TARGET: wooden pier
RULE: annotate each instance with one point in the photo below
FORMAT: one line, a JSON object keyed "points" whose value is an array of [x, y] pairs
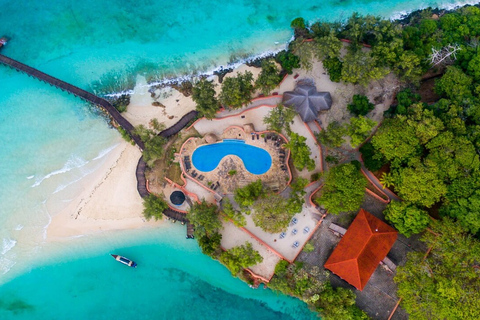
{"points": [[117, 117], [85, 95]]}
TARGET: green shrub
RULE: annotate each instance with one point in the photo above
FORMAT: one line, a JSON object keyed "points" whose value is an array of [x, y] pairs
{"points": [[288, 61], [360, 105], [334, 68], [373, 160]]}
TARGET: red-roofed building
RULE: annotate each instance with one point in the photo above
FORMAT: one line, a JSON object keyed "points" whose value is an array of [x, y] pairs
{"points": [[366, 243]]}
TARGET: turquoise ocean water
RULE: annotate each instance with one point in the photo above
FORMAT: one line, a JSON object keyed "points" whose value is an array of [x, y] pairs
{"points": [[50, 141]]}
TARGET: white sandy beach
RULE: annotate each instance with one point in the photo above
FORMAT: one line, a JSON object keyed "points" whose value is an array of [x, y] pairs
{"points": [[109, 200]]}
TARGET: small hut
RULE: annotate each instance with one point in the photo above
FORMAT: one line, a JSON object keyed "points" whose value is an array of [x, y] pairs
{"points": [[177, 198], [307, 101], [211, 138]]}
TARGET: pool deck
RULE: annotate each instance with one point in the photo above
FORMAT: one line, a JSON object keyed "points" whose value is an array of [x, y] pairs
{"points": [[237, 125], [274, 179]]}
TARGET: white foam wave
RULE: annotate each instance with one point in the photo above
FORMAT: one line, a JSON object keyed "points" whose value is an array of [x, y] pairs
{"points": [[104, 152], [72, 163], [19, 227], [8, 244], [31, 177], [6, 265], [169, 81]]}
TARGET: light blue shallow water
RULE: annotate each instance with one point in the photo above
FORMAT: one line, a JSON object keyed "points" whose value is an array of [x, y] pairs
{"points": [[256, 160], [51, 141]]}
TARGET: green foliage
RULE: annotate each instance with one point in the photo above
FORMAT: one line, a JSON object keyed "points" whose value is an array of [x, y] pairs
{"points": [[466, 210], [359, 129], [154, 144], [360, 105], [333, 136], [300, 152], [372, 159], [247, 195], [328, 46], [308, 247], [407, 218], [235, 215], [334, 68], [445, 285], [344, 189], [288, 61], [203, 93], [395, 140], [273, 213], [305, 51], [153, 207], [298, 23], [237, 91], [269, 77], [204, 218], [232, 172], [360, 68], [338, 303], [420, 185], [241, 257], [125, 135], [210, 244], [280, 118], [281, 268], [454, 84], [405, 99], [121, 103]]}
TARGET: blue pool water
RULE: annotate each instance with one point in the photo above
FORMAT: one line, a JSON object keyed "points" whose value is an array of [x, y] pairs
{"points": [[256, 160]]}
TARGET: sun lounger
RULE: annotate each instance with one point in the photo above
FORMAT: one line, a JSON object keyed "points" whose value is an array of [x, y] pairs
{"points": [[282, 235], [294, 231], [306, 230], [258, 136], [295, 244]]}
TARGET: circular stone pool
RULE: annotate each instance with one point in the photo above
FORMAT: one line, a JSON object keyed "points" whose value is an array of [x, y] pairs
{"points": [[256, 160]]}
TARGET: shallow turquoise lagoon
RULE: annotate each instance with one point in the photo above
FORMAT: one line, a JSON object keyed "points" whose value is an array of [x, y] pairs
{"points": [[256, 160]]}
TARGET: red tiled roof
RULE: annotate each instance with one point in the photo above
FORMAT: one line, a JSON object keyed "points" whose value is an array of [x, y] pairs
{"points": [[366, 243]]}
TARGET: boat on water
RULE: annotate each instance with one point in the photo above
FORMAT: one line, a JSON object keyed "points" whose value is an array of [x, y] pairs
{"points": [[124, 260], [3, 41]]}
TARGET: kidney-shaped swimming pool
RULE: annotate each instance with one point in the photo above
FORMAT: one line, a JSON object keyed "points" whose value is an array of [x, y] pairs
{"points": [[256, 160]]}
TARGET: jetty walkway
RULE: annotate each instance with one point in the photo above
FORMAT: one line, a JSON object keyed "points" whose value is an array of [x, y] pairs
{"points": [[118, 118], [76, 91]]}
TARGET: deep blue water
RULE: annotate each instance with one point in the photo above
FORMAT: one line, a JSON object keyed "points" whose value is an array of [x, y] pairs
{"points": [[256, 160]]}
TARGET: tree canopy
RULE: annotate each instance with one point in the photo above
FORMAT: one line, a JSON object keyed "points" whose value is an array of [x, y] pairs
{"points": [[203, 93], [280, 118], [300, 152], [343, 189], [241, 257], [360, 105], [407, 218], [247, 195], [205, 219], [445, 284], [269, 77], [153, 207], [237, 91]]}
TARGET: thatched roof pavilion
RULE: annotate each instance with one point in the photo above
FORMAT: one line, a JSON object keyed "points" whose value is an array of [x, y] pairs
{"points": [[307, 101]]}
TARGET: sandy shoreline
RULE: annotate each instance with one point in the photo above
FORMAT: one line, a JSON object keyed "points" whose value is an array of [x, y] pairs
{"points": [[109, 200]]}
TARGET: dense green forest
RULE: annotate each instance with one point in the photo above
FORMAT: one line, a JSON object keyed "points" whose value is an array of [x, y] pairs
{"points": [[429, 151]]}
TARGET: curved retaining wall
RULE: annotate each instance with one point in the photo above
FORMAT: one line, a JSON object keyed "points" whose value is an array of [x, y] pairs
{"points": [[141, 166]]}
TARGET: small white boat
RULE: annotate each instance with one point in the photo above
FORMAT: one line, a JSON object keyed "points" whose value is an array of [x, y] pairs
{"points": [[124, 260]]}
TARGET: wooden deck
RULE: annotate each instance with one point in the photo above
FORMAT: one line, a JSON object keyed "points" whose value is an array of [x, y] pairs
{"points": [[85, 95]]}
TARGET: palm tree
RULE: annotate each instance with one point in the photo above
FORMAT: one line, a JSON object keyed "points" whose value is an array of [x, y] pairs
{"points": [[387, 180]]}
